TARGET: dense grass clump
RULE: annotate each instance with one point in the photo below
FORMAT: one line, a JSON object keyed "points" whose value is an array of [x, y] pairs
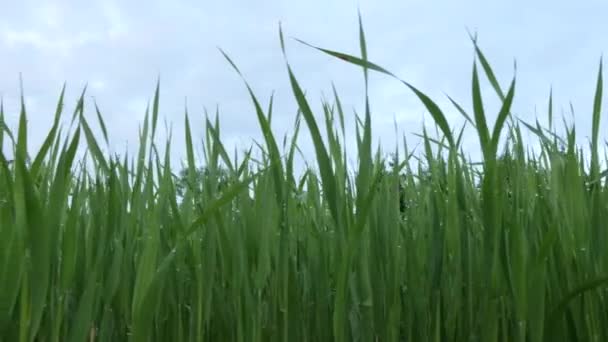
{"points": [[398, 249]]}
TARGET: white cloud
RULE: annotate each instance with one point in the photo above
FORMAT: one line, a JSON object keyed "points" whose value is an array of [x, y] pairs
{"points": [[50, 14], [116, 25]]}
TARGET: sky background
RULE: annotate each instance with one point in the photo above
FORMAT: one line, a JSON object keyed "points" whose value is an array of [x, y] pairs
{"points": [[120, 48]]}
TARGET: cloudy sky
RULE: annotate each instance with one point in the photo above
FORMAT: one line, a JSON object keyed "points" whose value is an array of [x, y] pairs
{"points": [[120, 48]]}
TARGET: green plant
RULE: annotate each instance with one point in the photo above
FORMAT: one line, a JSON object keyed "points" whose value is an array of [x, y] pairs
{"points": [[434, 248]]}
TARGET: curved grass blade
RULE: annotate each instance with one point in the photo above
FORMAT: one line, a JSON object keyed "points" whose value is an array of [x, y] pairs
{"points": [[325, 168], [502, 117], [430, 105], [102, 124], [273, 149], [94, 146], [487, 68], [579, 290], [480, 117], [46, 145], [597, 113]]}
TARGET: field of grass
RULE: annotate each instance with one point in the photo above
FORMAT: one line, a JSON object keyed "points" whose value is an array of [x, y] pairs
{"points": [[438, 248]]}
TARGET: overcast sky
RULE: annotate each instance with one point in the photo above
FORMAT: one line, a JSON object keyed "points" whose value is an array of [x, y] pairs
{"points": [[120, 48]]}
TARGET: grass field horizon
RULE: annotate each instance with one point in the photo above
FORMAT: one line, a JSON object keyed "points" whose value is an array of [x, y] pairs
{"points": [[400, 247]]}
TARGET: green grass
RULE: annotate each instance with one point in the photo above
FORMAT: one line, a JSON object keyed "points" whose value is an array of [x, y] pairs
{"points": [[429, 248]]}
